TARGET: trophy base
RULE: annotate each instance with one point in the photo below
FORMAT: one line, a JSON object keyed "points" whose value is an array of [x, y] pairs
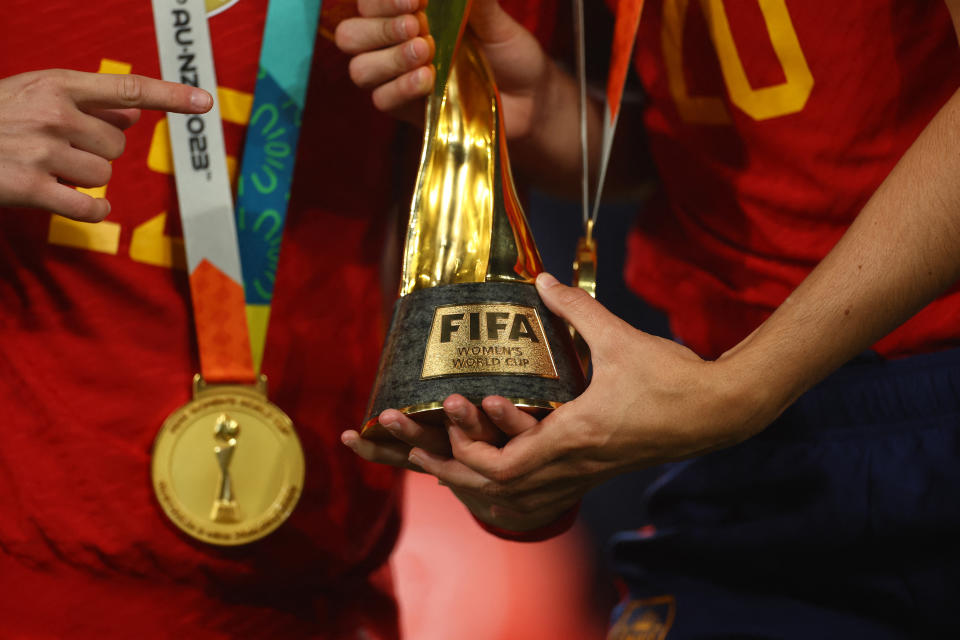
{"points": [[476, 339], [225, 511]]}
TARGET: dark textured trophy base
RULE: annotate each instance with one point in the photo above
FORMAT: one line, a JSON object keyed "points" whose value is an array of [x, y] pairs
{"points": [[484, 333]]}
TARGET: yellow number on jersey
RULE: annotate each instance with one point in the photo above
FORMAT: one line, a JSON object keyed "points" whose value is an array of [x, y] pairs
{"points": [[148, 244], [764, 103], [103, 237]]}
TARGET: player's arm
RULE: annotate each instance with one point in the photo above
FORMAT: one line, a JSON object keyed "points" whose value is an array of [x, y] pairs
{"points": [[901, 252], [61, 128]]}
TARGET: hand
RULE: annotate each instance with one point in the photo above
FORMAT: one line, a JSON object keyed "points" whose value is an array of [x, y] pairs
{"points": [[426, 437], [650, 401], [60, 128], [392, 51]]}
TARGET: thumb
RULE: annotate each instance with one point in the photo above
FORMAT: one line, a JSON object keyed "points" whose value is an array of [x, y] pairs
{"points": [[490, 23], [590, 318]]}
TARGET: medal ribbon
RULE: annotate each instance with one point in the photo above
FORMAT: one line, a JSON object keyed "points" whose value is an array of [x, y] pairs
{"points": [[625, 33], [203, 187], [624, 36], [270, 148], [203, 190]]}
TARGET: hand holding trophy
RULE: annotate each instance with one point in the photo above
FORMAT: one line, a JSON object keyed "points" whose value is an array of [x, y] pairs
{"points": [[468, 319]]}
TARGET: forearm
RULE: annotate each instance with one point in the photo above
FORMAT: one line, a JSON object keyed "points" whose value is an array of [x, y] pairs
{"points": [[899, 254], [549, 155]]}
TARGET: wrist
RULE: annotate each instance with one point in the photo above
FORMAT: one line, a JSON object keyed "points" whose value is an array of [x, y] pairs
{"points": [[757, 383], [547, 151]]}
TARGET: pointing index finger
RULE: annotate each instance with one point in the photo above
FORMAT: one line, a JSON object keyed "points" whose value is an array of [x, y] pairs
{"points": [[123, 91]]}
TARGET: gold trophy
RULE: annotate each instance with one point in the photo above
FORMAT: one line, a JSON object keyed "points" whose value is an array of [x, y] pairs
{"points": [[468, 319]]}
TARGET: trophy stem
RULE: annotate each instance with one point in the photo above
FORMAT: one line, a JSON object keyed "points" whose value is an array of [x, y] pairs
{"points": [[468, 319], [466, 223]]}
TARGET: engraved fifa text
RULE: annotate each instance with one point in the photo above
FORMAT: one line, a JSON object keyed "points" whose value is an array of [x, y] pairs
{"points": [[487, 338], [496, 323]]}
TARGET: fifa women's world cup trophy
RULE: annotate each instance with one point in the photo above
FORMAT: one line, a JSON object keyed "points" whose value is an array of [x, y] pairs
{"points": [[468, 319]]}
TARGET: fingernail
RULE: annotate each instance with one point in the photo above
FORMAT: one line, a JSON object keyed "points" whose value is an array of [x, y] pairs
{"points": [[423, 79], [407, 5], [546, 281], [393, 427], [107, 202], [495, 412], [200, 99], [400, 27], [415, 458]]}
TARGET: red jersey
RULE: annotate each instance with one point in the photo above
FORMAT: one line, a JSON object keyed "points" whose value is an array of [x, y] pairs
{"points": [[97, 349], [772, 124]]}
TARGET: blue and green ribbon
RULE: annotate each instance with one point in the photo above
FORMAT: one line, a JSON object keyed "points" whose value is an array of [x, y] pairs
{"points": [[270, 149]]}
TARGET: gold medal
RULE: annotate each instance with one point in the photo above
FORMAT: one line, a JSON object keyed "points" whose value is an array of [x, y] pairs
{"points": [[227, 466]]}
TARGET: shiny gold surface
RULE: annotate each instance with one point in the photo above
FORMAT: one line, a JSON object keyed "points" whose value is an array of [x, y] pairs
{"points": [[446, 20], [466, 223], [488, 338], [225, 507], [216, 6], [217, 485], [431, 413], [467, 226], [585, 277], [585, 262]]}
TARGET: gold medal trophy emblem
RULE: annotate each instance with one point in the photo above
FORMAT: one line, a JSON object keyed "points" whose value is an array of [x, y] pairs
{"points": [[227, 467], [216, 6]]}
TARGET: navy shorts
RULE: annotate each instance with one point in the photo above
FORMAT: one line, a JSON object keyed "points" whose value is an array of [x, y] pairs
{"points": [[840, 520]]}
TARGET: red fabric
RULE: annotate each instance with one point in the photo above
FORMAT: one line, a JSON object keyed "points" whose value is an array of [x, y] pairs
{"points": [[97, 349], [749, 206]]}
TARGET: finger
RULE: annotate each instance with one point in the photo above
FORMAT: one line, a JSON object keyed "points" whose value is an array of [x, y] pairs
{"points": [[404, 91], [467, 483], [471, 420], [432, 438], [371, 69], [506, 416], [124, 91], [529, 452], [120, 118], [357, 35], [529, 481], [590, 318], [449, 471], [70, 203], [80, 168], [394, 454], [381, 8], [96, 136], [491, 23]]}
